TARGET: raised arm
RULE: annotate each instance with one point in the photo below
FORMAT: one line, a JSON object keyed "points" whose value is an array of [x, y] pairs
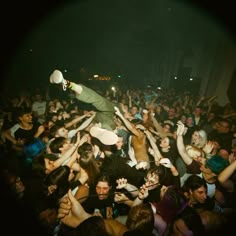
{"points": [[181, 130], [126, 122], [122, 183], [224, 177], [156, 153], [159, 128]]}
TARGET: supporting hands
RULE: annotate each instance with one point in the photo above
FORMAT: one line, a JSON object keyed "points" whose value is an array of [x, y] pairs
{"points": [[142, 165], [117, 111], [181, 129]]}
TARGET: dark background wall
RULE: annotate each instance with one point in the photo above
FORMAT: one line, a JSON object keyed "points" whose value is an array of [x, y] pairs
{"points": [[18, 20]]}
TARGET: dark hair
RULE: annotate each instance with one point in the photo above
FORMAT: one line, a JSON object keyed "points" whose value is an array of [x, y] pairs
{"points": [[56, 144], [160, 171], [88, 162], [20, 111], [193, 182], [172, 203], [85, 147], [58, 177], [54, 129], [104, 178]]}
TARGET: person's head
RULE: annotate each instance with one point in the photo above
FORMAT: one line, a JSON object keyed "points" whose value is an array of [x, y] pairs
{"points": [[164, 143], [196, 153], [59, 145], [57, 182], [103, 186], [52, 117], [15, 183], [171, 112], [187, 223], [190, 121], [195, 189], [199, 138], [223, 126], [214, 165], [197, 111], [168, 143], [58, 130], [23, 115], [43, 164], [224, 153], [134, 110], [183, 118], [155, 176], [172, 202], [217, 142], [38, 97], [119, 144], [141, 219], [168, 126], [88, 162]]}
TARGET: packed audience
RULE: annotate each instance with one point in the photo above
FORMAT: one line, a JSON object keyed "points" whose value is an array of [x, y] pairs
{"points": [[130, 162]]}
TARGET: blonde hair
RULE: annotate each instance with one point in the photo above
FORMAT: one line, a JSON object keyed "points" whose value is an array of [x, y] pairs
{"points": [[194, 152]]}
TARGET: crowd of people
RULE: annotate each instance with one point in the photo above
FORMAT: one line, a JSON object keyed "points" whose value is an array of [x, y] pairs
{"points": [[130, 162]]}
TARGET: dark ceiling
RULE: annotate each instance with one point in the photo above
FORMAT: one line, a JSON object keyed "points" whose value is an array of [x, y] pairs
{"points": [[20, 17]]}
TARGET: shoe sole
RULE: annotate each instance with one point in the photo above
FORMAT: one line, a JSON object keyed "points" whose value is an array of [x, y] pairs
{"points": [[104, 136]]}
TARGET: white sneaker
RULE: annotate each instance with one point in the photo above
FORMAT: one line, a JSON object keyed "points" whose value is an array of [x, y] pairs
{"points": [[57, 78], [106, 137]]}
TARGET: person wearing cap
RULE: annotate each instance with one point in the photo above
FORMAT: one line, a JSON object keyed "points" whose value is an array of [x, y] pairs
{"points": [[104, 108]]}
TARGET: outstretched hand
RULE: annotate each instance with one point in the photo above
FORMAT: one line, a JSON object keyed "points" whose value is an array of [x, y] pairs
{"points": [[181, 129], [117, 111]]}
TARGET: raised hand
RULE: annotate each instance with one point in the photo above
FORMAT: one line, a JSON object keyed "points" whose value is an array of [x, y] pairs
{"points": [[70, 211], [121, 183], [181, 129]]}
